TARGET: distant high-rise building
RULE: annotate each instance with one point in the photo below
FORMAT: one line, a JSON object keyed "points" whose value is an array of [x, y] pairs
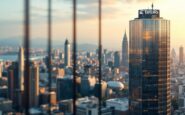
{"points": [[103, 89], [66, 84], [110, 64], [181, 55], [61, 55], [116, 59], [67, 53], [21, 77], [105, 51], [87, 85], [13, 86], [11, 81], [173, 57], [1, 70], [103, 59], [53, 99], [89, 54], [125, 51], [34, 86], [66, 106], [149, 64], [59, 72], [173, 54], [21, 69]]}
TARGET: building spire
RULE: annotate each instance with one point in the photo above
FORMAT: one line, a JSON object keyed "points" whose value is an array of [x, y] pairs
{"points": [[152, 6], [66, 42], [125, 36]]}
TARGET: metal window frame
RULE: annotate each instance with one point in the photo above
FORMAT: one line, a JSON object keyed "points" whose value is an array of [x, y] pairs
{"points": [[27, 55]]}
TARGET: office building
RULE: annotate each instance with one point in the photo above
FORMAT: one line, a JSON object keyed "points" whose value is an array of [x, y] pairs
{"points": [[13, 86], [66, 84], [67, 55], [89, 106], [103, 89], [34, 86], [44, 98], [4, 91], [149, 64], [5, 106], [89, 54], [21, 69], [59, 72], [61, 55], [66, 106], [125, 51], [181, 55], [117, 59], [87, 85], [53, 99], [173, 57], [1, 70], [120, 105]]}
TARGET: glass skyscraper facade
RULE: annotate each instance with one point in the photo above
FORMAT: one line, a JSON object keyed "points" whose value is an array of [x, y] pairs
{"points": [[149, 64]]}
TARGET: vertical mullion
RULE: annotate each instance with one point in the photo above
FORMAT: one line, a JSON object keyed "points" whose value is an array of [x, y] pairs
{"points": [[49, 51], [100, 53], [74, 57], [26, 47]]}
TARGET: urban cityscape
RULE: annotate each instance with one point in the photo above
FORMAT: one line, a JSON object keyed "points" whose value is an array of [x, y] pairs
{"points": [[146, 76]]}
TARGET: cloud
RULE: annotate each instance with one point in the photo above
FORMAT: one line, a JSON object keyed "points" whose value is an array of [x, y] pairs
{"points": [[92, 2], [138, 1], [88, 9], [38, 14]]}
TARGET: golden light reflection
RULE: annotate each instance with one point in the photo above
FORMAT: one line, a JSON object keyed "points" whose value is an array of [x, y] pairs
{"points": [[147, 35]]}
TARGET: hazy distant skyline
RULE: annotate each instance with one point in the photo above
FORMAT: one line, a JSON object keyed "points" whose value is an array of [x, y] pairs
{"points": [[116, 16]]}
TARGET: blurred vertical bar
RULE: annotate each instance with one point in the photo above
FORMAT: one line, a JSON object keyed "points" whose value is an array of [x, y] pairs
{"points": [[74, 57], [26, 47], [49, 52], [100, 54]]}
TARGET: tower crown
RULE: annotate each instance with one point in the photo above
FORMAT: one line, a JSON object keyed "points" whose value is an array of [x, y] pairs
{"points": [[149, 13], [125, 36], [66, 42]]}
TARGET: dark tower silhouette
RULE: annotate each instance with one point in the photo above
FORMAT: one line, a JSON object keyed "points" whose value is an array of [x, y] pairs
{"points": [[125, 51]]}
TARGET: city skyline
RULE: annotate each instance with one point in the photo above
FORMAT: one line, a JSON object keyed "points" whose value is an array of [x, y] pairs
{"points": [[103, 57], [115, 17]]}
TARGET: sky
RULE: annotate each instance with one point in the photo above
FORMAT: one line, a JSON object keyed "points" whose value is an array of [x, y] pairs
{"points": [[116, 16]]}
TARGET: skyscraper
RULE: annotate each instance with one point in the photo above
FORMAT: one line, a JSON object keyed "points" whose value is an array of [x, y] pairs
{"points": [[173, 57], [67, 53], [20, 91], [34, 86], [125, 51], [14, 92], [11, 89], [116, 59], [87, 85], [21, 69], [181, 55], [149, 64], [1, 69], [12, 82], [66, 84]]}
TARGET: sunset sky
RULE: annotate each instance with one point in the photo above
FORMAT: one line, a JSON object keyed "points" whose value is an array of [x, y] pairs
{"points": [[116, 16]]}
